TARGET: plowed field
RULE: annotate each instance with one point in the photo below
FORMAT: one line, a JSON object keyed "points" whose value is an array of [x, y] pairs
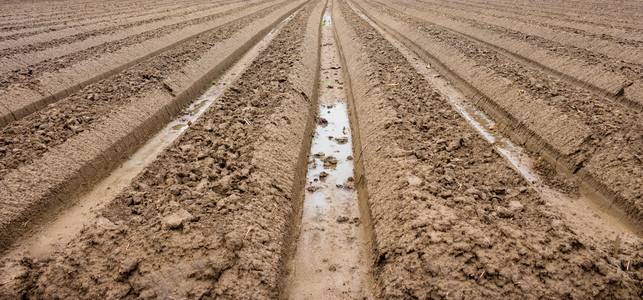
{"points": [[321, 149]]}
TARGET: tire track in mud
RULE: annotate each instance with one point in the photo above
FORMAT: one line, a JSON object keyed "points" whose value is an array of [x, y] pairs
{"points": [[119, 128], [563, 124], [51, 81], [450, 217], [610, 78], [235, 171]]}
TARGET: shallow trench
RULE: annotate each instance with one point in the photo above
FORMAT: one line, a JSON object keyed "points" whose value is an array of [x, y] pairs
{"points": [[45, 239], [587, 211], [331, 260]]}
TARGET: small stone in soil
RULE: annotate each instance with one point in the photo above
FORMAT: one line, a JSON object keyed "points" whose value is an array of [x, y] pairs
{"points": [[323, 174]]}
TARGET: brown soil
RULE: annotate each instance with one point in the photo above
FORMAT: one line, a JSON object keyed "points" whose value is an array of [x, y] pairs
{"points": [[330, 261], [566, 124], [77, 113], [66, 26], [209, 217], [442, 211], [605, 74], [44, 77], [49, 40], [117, 129], [445, 206]]}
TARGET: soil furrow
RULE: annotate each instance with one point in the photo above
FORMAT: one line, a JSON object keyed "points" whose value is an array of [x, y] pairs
{"points": [[45, 11], [66, 25], [209, 218], [56, 123], [321, 149], [450, 217], [330, 261], [596, 20], [45, 239], [567, 130], [16, 58], [619, 49], [577, 26], [9, 49], [583, 212], [117, 129], [598, 32], [602, 10], [120, 21], [33, 88], [36, 17], [53, 125], [602, 75]]}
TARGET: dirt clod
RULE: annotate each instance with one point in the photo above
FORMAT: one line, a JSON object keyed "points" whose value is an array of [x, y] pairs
{"points": [[341, 140], [330, 161], [177, 219], [322, 122], [319, 155]]}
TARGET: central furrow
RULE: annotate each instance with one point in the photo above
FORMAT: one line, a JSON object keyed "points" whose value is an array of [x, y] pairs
{"points": [[330, 260]]}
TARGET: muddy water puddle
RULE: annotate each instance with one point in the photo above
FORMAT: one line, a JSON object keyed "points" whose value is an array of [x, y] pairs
{"points": [[587, 212], [330, 260], [330, 170], [47, 238], [326, 19]]}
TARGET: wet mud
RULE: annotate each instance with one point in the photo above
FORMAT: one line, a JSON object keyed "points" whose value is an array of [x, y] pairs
{"points": [[331, 259], [340, 149], [447, 206]]}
